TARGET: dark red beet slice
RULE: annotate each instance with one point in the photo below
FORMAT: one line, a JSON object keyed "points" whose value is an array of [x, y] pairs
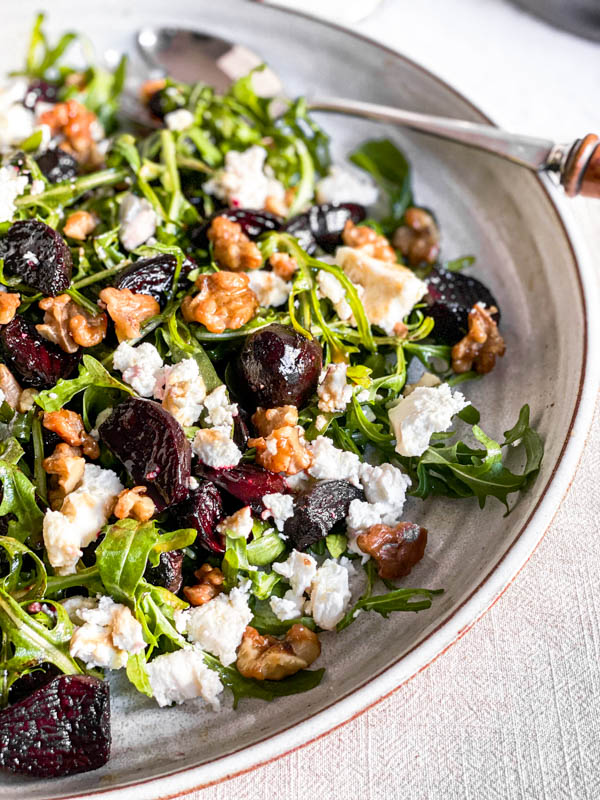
{"points": [[58, 165], [37, 362], [60, 729], [39, 255], [152, 447], [24, 686], [317, 510], [451, 296], [278, 366], [253, 224], [323, 225], [248, 483], [40, 90], [202, 510], [168, 571], [153, 276]]}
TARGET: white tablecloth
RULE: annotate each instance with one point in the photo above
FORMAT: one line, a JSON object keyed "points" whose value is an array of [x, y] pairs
{"points": [[512, 710]]}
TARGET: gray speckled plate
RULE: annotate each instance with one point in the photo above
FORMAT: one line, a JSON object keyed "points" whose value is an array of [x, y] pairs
{"points": [[545, 284]]}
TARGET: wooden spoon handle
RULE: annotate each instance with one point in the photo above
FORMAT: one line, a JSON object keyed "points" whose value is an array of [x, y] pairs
{"points": [[581, 172]]}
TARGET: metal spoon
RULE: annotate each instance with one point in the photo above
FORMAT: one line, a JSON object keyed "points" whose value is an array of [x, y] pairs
{"points": [[191, 56]]}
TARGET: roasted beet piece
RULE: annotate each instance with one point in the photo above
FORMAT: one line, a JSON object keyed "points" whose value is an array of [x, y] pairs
{"points": [[152, 447], [60, 729], [451, 296], [168, 571], [248, 483], [317, 510], [278, 366], [27, 684], [241, 432], [153, 276], [39, 90], [39, 255], [202, 510], [323, 225], [58, 165], [252, 223], [37, 362]]}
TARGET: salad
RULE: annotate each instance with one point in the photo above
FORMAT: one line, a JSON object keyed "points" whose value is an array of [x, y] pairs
{"points": [[225, 363]]}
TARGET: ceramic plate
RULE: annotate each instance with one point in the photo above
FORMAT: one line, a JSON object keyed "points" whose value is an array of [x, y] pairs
{"points": [[509, 219]]}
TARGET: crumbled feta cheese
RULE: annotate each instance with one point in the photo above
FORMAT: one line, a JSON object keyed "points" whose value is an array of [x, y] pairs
{"points": [[109, 634], [75, 604], [38, 185], [297, 482], [140, 366], [193, 484], [330, 594], [362, 515], [83, 513], [298, 569], [182, 391], [425, 411], [218, 626], [320, 422], [220, 412], [280, 507], [238, 525], [179, 120], [329, 463], [343, 185], [183, 675], [137, 220], [16, 121], [426, 379], [269, 288], [244, 182], [12, 185], [330, 288], [287, 607], [390, 290], [333, 390], [384, 484], [215, 449], [2, 397]]}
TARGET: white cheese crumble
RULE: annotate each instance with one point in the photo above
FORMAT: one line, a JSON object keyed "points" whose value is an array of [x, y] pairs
{"points": [[218, 626], [109, 634], [333, 390], [220, 412], [75, 604], [330, 288], [287, 607], [137, 220], [298, 482], [12, 185], [330, 594], [385, 491], [182, 391], [140, 366], [238, 525], [425, 411], [269, 288], [343, 185], [215, 449], [179, 120], [280, 507], [390, 290], [298, 569], [183, 675], [329, 463], [83, 513], [16, 121], [244, 182], [2, 397]]}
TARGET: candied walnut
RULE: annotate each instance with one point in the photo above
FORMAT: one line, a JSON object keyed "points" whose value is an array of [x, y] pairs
{"points": [[283, 265], [151, 87], [8, 306], [283, 450], [479, 348], [224, 301], [69, 326], [419, 238], [80, 224], [76, 123], [128, 310], [396, 550], [266, 420], [268, 658], [210, 584], [65, 467], [69, 426], [232, 249], [9, 386], [134, 504], [27, 400], [364, 238]]}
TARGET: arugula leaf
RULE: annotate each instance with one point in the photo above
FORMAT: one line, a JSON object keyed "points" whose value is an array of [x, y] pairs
{"points": [[18, 496], [388, 165], [265, 621], [523, 434], [384, 604], [336, 544], [91, 373]]}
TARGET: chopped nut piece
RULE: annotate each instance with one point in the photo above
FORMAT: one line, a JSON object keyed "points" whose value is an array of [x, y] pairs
{"points": [[128, 310], [224, 301], [209, 586], [9, 386], [276, 205], [481, 345], [151, 87], [69, 426], [283, 265], [268, 658], [8, 306], [69, 326], [231, 247], [361, 237], [266, 420], [76, 123], [282, 450], [396, 550], [133, 504], [80, 224], [65, 467], [419, 239], [27, 400]]}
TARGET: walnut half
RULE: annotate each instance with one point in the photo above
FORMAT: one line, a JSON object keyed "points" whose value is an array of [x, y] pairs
{"points": [[128, 310], [210, 584], [232, 249], [9, 386], [69, 426], [266, 420], [134, 504], [65, 467], [224, 301], [268, 658], [9, 303], [396, 550], [419, 238], [70, 326], [283, 450], [482, 343]]}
